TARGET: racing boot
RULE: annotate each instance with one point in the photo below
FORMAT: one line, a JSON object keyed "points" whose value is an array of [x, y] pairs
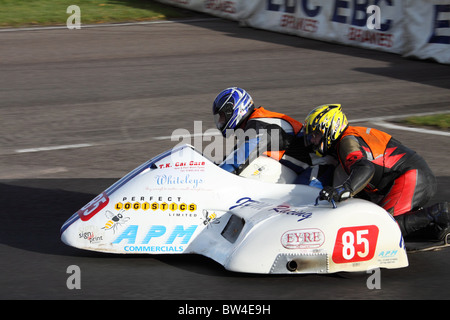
{"points": [[441, 219], [432, 222]]}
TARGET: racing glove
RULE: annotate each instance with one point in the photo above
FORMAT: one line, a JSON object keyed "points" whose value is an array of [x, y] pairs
{"points": [[339, 193]]}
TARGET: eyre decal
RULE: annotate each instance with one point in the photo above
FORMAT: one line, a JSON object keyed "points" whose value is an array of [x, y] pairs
{"points": [[310, 238]]}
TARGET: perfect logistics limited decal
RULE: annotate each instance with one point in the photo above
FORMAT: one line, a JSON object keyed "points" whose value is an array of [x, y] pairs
{"points": [[173, 206]]}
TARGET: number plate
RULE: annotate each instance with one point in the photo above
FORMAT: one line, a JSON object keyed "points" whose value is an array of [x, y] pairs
{"points": [[355, 244], [96, 204]]}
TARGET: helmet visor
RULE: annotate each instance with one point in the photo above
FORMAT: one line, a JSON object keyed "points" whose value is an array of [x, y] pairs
{"points": [[220, 120], [316, 140]]}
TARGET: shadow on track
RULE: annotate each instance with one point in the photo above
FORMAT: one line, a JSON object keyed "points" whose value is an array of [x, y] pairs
{"points": [[33, 212], [408, 69]]}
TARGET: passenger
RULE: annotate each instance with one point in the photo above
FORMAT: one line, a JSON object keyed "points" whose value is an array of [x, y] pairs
{"points": [[378, 168]]}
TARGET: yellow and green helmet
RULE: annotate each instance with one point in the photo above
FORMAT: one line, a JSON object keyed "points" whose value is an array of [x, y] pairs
{"points": [[323, 126]]}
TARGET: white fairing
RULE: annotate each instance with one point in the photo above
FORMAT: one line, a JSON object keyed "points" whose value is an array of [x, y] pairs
{"points": [[180, 202], [268, 170]]}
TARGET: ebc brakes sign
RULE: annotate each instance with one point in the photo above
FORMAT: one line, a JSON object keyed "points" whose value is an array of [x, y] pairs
{"points": [[96, 204], [355, 244]]}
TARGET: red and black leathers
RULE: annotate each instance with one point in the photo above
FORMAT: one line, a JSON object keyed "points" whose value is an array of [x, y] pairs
{"points": [[384, 170]]}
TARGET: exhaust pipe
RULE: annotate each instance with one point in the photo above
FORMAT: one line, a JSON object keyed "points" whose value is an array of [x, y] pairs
{"points": [[292, 265]]}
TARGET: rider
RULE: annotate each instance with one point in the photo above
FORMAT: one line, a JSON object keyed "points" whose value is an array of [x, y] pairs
{"points": [[273, 134], [379, 168]]}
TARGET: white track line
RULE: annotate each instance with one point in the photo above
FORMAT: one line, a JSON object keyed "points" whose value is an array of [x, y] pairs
{"points": [[104, 25], [68, 146], [403, 116], [397, 127], [379, 121]]}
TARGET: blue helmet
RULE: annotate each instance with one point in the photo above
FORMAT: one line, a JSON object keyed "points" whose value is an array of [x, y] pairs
{"points": [[231, 108]]}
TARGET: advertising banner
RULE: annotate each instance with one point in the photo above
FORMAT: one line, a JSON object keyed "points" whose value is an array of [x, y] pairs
{"points": [[415, 28], [339, 21], [227, 9], [428, 30]]}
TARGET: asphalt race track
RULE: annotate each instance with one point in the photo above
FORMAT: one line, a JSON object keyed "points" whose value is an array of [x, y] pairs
{"points": [[106, 99]]}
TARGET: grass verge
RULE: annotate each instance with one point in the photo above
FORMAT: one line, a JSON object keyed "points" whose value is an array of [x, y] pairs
{"points": [[25, 13], [440, 121]]}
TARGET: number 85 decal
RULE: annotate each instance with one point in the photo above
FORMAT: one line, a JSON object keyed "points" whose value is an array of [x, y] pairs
{"points": [[355, 244]]}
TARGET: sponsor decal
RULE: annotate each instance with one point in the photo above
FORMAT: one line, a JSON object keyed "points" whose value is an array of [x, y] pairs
{"points": [[358, 22], [178, 180], [440, 32], [286, 209], [210, 218], [293, 7], [365, 36], [158, 233], [174, 206], [115, 220], [162, 206], [185, 2], [247, 202], [310, 238], [90, 234], [184, 166], [221, 6], [292, 22], [388, 254], [96, 204], [355, 244], [388, 257], [161, 249]]}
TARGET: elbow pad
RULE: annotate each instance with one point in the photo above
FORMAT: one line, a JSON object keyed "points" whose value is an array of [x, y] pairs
{"points": [[361, 174]]}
